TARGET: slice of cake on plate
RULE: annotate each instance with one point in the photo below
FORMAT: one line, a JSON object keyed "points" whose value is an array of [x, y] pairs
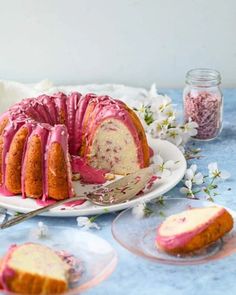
{"points": [[193, 229], [33, 269]]}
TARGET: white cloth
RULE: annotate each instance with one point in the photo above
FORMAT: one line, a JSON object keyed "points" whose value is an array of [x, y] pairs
{"points": [[11, 92]]}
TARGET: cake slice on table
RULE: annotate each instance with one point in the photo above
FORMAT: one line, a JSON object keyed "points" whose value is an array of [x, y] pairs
{"points": [[193, 229], [33, 269]]}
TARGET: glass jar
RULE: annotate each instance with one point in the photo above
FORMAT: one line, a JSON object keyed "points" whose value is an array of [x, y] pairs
{"points": [[203, 102]]}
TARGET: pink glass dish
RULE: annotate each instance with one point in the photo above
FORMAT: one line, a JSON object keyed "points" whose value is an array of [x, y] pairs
{"points": [[98, 259], [138, 234]]}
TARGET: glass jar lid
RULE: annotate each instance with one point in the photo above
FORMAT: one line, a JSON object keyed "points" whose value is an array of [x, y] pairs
{"points": [[203, 77]]}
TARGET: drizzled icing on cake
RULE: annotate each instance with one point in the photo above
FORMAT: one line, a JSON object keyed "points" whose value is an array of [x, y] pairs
{"points": [[71, 121], [87, 173]]}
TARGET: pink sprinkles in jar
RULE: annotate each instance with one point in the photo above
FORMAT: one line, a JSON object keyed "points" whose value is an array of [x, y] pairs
{"points": [[203, 102]]}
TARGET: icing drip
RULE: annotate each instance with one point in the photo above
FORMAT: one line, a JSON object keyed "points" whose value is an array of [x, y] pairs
{"points": [[79, 117], [61, 108], [8, 135], [50, 109], [87, 173], [72, 105], [59, 134], [151, 152], [41, 131], [44, 203]]}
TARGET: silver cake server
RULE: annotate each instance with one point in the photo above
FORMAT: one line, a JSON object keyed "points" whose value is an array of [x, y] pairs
{"points": [[117, 192]]}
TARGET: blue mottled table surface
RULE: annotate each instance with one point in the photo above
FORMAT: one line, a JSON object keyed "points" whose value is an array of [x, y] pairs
{"points": [[133, 274]]}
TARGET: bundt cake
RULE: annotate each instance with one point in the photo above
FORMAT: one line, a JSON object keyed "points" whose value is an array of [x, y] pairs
{"points": [[33, 269], [43, 139], [193, 229]]}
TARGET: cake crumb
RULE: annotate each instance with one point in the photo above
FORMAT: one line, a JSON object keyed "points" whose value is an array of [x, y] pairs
{"points": [[76, 176], [110, 176]]}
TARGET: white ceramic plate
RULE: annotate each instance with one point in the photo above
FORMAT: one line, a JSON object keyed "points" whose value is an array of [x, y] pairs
{"points": [[167, 150]]}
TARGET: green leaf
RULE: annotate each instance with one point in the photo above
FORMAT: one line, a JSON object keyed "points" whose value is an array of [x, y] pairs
{"points": [[160, 200], [162, 214], [147, 211]]}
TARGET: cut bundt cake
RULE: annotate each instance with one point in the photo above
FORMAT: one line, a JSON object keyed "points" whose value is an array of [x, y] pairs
{"points": [[39, 139], [33, 269], [193, 229], [112, 138]]}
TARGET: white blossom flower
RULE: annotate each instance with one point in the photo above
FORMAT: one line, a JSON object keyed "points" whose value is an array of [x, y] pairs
{"points": [[190, 128], [41, 231], [214, 172], [158, 128], [174, 135], [187, 190], [162, 104], [86, 223], [139, 210], [163, 169], [191, 174], [158, 117]]}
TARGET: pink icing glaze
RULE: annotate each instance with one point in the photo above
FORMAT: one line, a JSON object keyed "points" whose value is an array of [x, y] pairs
{"points": [[8, 135], [30, 126], [74, 203], [5, 270], [60, 100], [48, 109], [24, 109], [41, 108], [49, 106], [175, 241], [40, 130], [79, 116], [105, 108], [59, 134], [87, 173], [151, 152], [72, 105], [44, 203]]}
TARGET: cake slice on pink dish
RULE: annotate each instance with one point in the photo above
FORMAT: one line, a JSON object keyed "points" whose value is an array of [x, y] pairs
{"points": [[193, 229]]}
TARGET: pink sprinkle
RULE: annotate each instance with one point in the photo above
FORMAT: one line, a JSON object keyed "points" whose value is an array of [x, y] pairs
{"points": [[117, 160], [205, 109], [152, 181]]}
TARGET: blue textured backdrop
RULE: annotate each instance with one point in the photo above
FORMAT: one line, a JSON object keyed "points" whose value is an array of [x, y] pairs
{"points": [[135, 275]]}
